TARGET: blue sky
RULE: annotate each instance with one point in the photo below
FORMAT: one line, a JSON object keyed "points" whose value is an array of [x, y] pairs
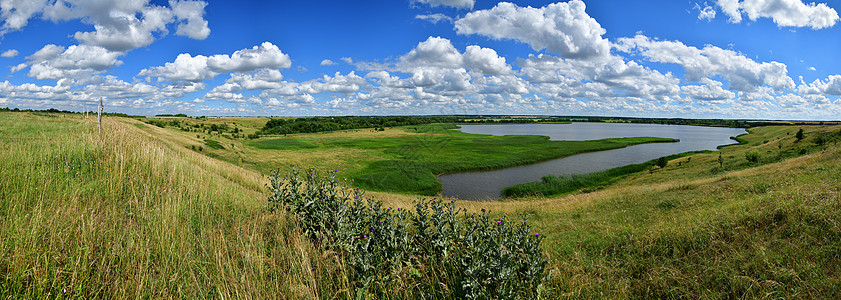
{"points": [[763, 59]]}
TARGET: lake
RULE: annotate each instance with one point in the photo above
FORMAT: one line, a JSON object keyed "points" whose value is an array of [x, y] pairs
{"points": [[488, 184]]}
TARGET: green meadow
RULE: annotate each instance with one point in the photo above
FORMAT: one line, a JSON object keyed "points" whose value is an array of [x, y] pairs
{"points": [[141, 212]]}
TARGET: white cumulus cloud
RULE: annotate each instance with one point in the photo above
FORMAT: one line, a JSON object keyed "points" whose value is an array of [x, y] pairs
{"points": [[266, 55], [185, 67], [743, 74], [76, 61], [705, 13], [16, 13], [561, 28], [200, 67], [830, 86], [710, 91], [485, 60], [784, 13], [118, 25], [435, 51], [10, 53], [259, 80]]}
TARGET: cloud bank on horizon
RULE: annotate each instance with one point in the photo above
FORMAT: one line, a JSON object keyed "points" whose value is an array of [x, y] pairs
{"points": [[720, 59]]}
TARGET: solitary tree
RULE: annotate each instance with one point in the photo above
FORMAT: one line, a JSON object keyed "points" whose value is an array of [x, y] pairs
{"points": [[799, 135]]}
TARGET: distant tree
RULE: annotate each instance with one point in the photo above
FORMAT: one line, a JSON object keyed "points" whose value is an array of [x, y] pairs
{"points": [[799, 135], [662, 162]]}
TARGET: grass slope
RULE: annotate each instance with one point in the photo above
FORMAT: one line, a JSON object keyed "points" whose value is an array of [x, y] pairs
{"points": [[768, 231], [130, 216], [702, 230]]}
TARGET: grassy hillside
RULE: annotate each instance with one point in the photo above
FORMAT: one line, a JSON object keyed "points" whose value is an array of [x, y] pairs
{"points": [[137, 213], [130, 216], [697, 228]]}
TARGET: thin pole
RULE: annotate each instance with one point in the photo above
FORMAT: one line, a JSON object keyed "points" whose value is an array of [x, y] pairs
{"points": [[99, 121]]}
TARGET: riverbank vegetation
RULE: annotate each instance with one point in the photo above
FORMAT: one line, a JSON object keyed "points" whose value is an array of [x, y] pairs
{"points": [[552, 185], [138, 214]]}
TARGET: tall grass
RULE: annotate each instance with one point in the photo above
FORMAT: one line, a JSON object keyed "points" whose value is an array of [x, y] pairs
{"points": [[128, 216]]}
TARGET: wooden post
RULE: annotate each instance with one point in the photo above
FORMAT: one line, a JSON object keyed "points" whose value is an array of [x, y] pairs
{"points": [[99, 121]]}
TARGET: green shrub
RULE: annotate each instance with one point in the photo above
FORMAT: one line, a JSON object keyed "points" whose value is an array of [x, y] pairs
{"points": [[820, 139], [213, 144], [437, 250], [753, 155]]}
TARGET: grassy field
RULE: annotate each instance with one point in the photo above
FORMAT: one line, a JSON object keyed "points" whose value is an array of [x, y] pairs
{"points": [[138, 213]]}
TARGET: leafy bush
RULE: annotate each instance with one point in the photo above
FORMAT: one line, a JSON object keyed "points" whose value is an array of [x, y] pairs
{"points": [[437, 250], [821, 139], [213, 144], [662, 162], [753, 155]]}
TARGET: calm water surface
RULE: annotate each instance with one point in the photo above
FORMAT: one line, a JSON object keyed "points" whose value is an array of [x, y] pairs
{"points": [[489, 184]]}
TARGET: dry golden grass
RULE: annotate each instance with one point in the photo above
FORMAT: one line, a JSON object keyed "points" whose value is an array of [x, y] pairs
{"points": [[134, 216]]}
